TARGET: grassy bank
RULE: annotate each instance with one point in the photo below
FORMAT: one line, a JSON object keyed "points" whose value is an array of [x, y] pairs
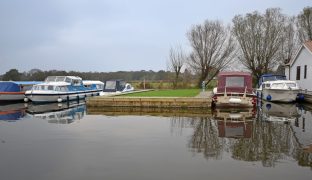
{"points": [[167, 93]]}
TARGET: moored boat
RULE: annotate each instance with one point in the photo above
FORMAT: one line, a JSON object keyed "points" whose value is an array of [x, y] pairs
{"points": [[115, 87], [61, 88], [15, 90], [98, 85], [276, 88], [234, 89]]}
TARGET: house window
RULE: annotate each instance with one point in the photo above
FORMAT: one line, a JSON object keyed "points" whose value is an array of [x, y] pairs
{"points": [[298, 73], [305, 71]]}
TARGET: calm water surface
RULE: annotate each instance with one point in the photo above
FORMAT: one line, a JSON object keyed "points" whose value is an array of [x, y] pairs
{"points": [[73, 143]]}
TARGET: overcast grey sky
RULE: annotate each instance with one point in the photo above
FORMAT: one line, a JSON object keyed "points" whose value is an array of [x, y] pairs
{"points": [[109, 35]]}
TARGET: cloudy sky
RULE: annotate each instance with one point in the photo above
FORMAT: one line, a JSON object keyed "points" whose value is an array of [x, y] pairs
{"points": [[109, 35]]}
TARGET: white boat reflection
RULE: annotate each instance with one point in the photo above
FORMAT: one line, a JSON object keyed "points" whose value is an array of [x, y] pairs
{"points": [[59, 113], [12, 112], [279, 112], [235, 123]]}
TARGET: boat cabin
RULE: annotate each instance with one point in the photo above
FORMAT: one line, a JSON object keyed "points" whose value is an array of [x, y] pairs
{"points": [[270, 77], [99, 85], [73, 80], [234, 82]]}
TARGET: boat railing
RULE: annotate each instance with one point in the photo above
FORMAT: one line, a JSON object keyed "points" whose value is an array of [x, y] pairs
{"points": [[233, 94]]}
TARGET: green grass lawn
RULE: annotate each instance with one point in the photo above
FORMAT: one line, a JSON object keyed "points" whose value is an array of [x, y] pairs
{"points": [[167, 93]]}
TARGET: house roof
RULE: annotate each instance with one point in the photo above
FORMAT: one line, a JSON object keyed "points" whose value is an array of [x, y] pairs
{"points": [[307, 45]]}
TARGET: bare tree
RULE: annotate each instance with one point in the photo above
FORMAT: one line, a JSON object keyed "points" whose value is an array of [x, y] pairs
{"points": [[177, 59], [304, 24], [290, 42], [213, 49], [260, 38]]}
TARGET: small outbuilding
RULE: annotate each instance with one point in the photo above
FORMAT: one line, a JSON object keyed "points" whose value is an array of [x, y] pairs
{"points": [[300, 67]]}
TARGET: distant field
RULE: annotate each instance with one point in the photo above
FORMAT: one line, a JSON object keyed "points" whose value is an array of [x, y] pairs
{"points": [[167, 93]]}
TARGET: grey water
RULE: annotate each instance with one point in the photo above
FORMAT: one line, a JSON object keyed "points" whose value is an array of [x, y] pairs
{"points": [[71, 142]]}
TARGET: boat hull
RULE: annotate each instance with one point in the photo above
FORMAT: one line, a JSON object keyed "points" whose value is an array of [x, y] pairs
{"points": [[307, 97], [12, 96], [279, 95], [60, 97], [222, 100]]}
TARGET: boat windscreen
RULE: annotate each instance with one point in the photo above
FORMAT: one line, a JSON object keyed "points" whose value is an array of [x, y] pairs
{"points": [[278, 85], [291, 85], [50, 79], [234, 81], [60, 79], [274, 78], [110, 85]]}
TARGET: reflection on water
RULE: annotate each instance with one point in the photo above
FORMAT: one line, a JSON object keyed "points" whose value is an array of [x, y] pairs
{"points": [[251, 137], [280, 112], [59, 113], [117, 139], [12, 112]]}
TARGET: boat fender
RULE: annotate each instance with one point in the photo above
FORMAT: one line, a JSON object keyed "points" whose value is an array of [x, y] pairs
{"points": [[300, 97], [268, 98], [59, 99], [268, 106], [25, 99]]}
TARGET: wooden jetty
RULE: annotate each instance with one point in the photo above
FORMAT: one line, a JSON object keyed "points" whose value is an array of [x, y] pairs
{"points": [[152, 102]]}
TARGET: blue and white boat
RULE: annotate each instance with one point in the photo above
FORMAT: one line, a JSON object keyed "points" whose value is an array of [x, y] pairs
{"points": [[276, 88], [60, 89], [15, 90]]}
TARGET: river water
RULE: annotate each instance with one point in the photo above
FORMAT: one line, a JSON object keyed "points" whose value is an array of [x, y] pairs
{"points": [[71, 142]]}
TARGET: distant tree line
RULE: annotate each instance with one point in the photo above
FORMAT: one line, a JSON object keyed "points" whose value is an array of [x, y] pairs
{"points": [[39, 75]]}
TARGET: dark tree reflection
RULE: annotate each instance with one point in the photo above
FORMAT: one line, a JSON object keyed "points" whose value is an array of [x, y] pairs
{"points": [[269, 143], [205, 139], [265, 142]]}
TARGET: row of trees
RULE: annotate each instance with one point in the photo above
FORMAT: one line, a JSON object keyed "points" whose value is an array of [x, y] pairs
{"points": [[259, 42], [39, 75]]}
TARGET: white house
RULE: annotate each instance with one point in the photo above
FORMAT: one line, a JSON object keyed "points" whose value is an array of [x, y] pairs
{"points": [[300, 67]]}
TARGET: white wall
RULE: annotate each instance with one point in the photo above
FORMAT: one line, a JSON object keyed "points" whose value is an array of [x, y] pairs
{"points": [[304, 58], [287, 72]]}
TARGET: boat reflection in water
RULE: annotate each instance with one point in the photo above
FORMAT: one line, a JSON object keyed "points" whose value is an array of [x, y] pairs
{"points": [[234, 123], [59, 113], [245, 136], [278, 112], [12, 112]]}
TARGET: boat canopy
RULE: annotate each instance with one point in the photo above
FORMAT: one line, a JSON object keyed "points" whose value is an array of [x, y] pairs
{"points": [[271, 77], [234, 82], [114, 85], [15, 86]]}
